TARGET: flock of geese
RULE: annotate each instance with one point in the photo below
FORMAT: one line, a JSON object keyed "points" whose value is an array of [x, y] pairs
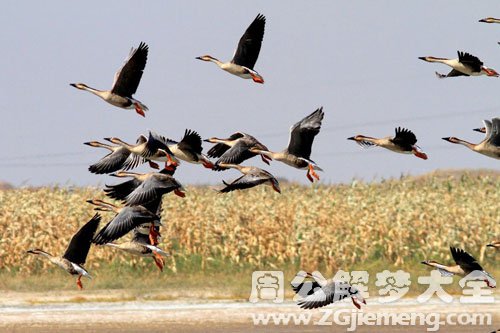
{"points": [[142, 193]]}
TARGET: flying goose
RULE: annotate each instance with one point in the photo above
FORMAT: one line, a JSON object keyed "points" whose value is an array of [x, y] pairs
{"points": [[465, 65], [126, 219], [189, 149], [321, 292], [140, 246], [298, 152], [119, 158], [403, 142], [125, 83], [252, 177], [246, 53], [235, 149], [74, 258], [143, 188], [465, 264], [151, 148], [490, 146]]}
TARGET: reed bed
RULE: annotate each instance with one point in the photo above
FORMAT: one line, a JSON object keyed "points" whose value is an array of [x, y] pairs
{"points": [[396, 222]]}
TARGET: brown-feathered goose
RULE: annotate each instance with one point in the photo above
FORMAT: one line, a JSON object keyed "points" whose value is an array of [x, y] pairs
{"points": [[465, 65], [321, 292], [74, 258], [143, 188], [298, 152], [404, 141], [246, 53], [125, 83], [119, 158], [490, 146], [252, 177], [235, 149], [126, 219], [465, 264]]}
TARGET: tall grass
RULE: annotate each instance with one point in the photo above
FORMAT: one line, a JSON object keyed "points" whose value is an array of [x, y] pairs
{"points": [[394, 223]]}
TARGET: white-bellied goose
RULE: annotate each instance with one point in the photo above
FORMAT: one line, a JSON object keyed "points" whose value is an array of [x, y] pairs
{"points": [[126, 219], [490, 20], [321, 292], [298, 152], [494, 244], [143, 188], [151, 148], [140, 246], [490, 146], [235, 149], [246, 53], [119, 158], [189, 149], [125, 83], [465, 65], [74, 258], [252, 177], [465, 264], [403, 142]]}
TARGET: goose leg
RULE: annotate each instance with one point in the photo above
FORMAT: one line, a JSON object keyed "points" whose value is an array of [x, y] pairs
{"points": [[312, 172], [79, 282], [153, 235], [208, 164], [171, 165], [159, 261], [139, 110]]}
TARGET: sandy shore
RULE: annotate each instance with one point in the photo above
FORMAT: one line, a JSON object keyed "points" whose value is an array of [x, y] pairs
{"points": [[104, 312]]}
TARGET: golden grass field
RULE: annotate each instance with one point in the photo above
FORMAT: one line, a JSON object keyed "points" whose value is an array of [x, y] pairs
{"points": [[374, 226]]}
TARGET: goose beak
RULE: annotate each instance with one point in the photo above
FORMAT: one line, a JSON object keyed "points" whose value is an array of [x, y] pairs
{"points": [[351, 138], [73, 85], [480, 130], [446, 139], [482, 20]]}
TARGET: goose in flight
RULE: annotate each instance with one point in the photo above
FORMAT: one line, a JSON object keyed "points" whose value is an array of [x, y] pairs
{"points": [[321, 292], [189, 149], [126, 219], [235, 149], [246, 53], [151, 148], [490, 146], [119, 158], [140, 246], [465, 264], [298, 152], [403, 142], [252, 177], [143, 188], [125, 83], [74, 258], [465, 65]]}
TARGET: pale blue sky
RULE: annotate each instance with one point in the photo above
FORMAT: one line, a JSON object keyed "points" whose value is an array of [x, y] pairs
{"points": [[358, 59]]}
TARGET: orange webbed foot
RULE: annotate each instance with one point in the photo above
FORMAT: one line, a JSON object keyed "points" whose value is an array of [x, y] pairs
{"points": [[139, 110]]}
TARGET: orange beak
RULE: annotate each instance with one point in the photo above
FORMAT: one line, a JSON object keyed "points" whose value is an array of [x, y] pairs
{"points": [[179, 193], [257, 78], [420, 154]]}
